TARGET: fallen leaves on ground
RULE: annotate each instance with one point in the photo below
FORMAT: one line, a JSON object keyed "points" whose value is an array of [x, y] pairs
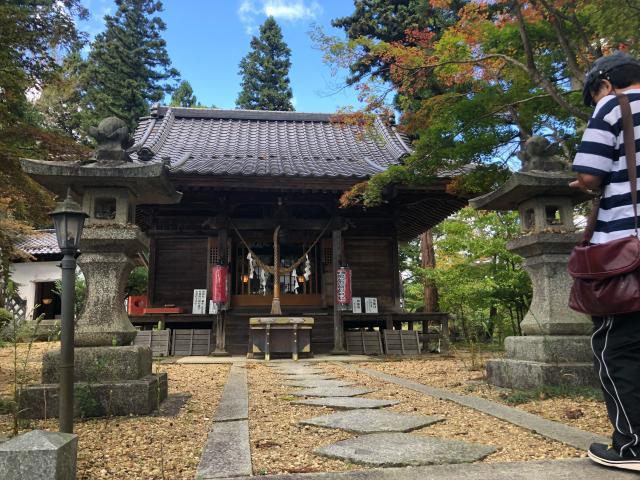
{"points": [[463, 373], [278, 443], [148, 447]]}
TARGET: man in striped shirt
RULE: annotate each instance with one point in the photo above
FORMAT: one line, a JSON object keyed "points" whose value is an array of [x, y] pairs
{"points": [[601, 165]]}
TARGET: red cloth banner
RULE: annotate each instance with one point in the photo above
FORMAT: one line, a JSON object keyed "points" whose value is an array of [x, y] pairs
{"points": [[219, 284]]}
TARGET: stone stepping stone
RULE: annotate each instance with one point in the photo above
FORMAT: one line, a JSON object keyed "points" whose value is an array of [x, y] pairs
{"points": [[308, 377], [403, 449], [331, 392], [372, 421], [317, 383], [346, 403], [300, 372]]}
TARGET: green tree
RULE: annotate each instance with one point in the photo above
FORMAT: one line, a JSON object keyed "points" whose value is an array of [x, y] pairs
{"points": [[61, 98], [479, 281], [183, 96], [506, 70], [128, 66], [382, 20], [265, 71], [33, 35]]}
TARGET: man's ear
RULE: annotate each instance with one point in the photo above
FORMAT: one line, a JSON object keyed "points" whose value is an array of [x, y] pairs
{"points": [[606, 86]]}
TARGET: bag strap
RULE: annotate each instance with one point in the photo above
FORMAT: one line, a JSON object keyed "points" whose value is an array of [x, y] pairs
{"points": [[628, 137]]}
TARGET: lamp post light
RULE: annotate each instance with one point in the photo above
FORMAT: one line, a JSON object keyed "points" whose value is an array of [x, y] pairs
{"points": [[68, 220]]}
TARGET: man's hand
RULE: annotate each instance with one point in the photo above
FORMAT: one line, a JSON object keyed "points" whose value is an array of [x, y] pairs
{"points": [[587, 183]]}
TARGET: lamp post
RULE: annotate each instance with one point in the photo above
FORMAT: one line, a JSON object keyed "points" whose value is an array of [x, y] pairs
{"points": [[68, 219]]}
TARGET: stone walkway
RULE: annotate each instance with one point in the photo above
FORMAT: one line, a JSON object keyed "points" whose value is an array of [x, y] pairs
{"points": [[555, 430], [574, 469], [383, 441], [227, 452]]}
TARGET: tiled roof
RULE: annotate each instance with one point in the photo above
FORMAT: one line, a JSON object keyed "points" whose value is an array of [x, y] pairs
{"points": [[40, 242], [264, 143]]}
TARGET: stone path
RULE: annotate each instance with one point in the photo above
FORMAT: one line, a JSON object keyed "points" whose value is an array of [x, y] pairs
{"points": [[573, 469], [368, 421], [227, 452], [373, 448], [313, 383], [401, 450], [345, 403], [330, 392], [555, 430]]}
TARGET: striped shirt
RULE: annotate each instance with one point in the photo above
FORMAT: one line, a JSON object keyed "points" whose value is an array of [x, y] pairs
{"points": [[601, 153]]}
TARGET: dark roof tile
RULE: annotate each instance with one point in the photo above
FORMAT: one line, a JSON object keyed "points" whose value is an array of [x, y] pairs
{"points": [[40, 242], [264, 143]]}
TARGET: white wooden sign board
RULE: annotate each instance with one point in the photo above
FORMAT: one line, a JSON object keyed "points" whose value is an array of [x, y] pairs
{"points": [[370, 305], [199, 301], [356, 305]]}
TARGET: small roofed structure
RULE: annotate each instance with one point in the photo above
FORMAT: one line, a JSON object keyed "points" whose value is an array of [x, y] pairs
{"points": [[244, 173], [36, 275]]}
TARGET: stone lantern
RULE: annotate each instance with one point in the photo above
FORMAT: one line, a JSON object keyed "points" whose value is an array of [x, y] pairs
{"points": [[109, 186], [555, 348]]}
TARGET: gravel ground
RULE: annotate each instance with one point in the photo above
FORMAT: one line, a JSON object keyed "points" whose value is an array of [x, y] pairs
{"points": [[278, 443], [464, 375], [149, 448]]}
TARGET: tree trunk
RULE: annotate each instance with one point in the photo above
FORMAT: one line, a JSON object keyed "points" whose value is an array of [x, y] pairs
{"points": [[428, 257]]}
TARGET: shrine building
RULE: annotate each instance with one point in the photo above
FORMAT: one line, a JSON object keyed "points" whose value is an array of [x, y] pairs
{"points": [[243, 174]]}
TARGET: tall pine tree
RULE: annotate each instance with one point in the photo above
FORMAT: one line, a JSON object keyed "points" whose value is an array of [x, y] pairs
{"points": [[129, 66], [183, 96], [265, 71]]}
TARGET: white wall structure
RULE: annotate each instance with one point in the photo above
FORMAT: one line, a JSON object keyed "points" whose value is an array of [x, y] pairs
{"points": [[26, 274]]}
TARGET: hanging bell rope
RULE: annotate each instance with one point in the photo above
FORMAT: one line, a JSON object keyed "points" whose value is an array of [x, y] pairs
{"points": [[271, 268]]}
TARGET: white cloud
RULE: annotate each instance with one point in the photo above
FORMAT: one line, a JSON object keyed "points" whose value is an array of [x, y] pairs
{"points": [[288, 10], [291, 10]]}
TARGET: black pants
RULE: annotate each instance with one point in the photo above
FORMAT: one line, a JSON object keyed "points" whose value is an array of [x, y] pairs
{"points": [[616, 349]]}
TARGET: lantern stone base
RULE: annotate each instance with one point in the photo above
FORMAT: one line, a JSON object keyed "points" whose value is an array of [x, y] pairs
{"points": [[108, 381], [535, 361], [100, 399]]}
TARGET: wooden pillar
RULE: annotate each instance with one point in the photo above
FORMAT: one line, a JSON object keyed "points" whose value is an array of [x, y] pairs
{"points": [[221, 317], [338, 330]]}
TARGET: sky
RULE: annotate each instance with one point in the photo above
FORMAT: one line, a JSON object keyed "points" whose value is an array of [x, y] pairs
{"points": [[206, 39]]}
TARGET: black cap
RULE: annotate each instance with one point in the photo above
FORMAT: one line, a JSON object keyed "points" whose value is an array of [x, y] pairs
{"points": [[599, 70]]}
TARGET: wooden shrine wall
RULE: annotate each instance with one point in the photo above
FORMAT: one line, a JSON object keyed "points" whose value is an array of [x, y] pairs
{"points": [[178, 265], [374, 267]]}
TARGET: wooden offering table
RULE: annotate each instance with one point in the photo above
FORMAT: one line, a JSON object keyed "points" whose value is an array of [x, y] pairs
{"points": [[279, 335]]}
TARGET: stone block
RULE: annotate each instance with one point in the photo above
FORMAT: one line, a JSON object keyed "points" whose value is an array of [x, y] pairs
{"points": [[234, 402], [550, 349], [372, 421], [345, 403], [403, 449], [524, 374], [117, 398], [40, 455], [331, 392], [227, 452], [101, 364]]}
